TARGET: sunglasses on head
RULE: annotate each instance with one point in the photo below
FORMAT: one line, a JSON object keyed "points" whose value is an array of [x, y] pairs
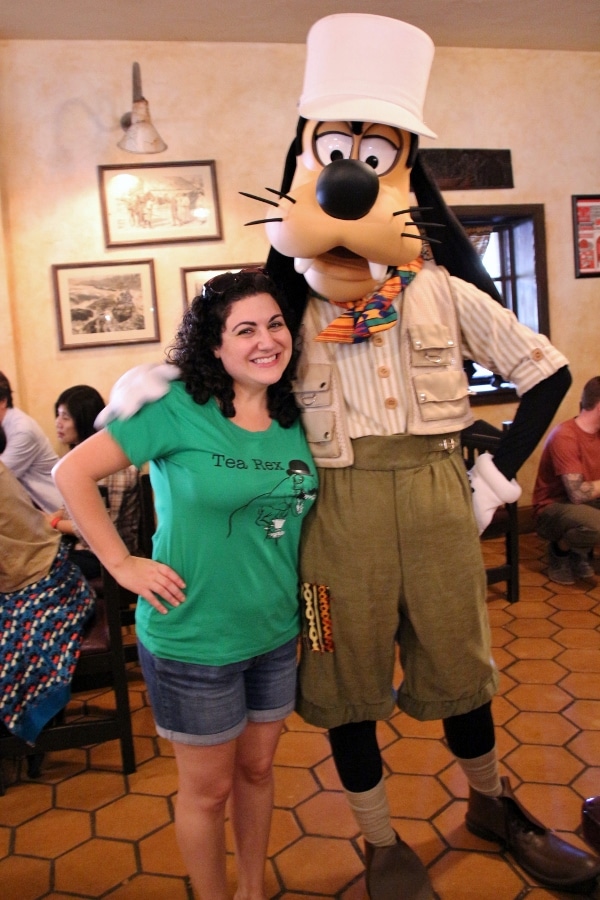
{"points": [[220, 284]]}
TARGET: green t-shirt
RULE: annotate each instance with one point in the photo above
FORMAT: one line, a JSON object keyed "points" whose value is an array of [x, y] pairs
{"points": [[229, 505]]}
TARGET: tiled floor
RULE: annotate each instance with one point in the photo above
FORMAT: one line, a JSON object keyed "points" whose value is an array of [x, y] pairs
{"points": [[83, 830]]}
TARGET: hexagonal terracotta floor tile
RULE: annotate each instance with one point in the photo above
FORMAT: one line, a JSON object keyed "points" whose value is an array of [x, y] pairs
{"points": [[575, 619], [326, 774], [23, 801], [319, 865], [132, 817], [293, 784], [475, 876], [90, 790], [284, 831], [504, 710], [414, 756], [580, 659], [53, 833], [407, 727], [587, 747], [582, 685], [297, 748], [158, 776], [549, 765], [584, 713], [160, 853], [327, 813], [422, 837], [415, 796], [529, 697], [577, 601], [151, 887], [78, 871], [541, 728], [536, 671], [578, 637], [534, 648], [532, 628], [24, 878]]}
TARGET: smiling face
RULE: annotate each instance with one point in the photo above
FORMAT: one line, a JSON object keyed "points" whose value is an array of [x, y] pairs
{"points": [[348, 220], [256, 344]]}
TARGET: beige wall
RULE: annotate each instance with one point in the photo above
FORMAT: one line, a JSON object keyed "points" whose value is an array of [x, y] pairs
{"points": [[60, 105]]}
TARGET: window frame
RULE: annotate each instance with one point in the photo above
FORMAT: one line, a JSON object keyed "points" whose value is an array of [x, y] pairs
{"points": [[507, 214]]}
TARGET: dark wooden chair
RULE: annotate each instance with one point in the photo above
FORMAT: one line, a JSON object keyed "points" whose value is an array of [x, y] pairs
{"points": [[101, 664], [128, 600], [479, 438], [148, 522]]}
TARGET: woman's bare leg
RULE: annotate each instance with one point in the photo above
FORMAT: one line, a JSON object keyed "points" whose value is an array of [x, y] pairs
{"points": [[252, 805], [205, 782]]}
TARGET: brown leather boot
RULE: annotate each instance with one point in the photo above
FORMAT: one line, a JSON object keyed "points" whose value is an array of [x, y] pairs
{"points": [[538, 851], [396, 873]]}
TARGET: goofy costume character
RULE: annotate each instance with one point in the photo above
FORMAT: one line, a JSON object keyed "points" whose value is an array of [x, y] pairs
{"points": [[391, 554]]}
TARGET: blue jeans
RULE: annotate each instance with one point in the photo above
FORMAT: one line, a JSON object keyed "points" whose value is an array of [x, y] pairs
{"points": [[208, 705]]}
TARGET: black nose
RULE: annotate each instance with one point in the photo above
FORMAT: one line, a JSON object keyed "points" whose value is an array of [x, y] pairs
{"points": [[347, 189]]}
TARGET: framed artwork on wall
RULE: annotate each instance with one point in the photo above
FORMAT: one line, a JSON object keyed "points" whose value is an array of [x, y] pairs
{"points": [[162, 203], [193, 279], [586, 234], [102, 303]]}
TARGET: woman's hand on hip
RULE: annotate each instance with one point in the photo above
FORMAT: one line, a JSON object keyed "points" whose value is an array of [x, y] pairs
{"points": [[154, 581]]}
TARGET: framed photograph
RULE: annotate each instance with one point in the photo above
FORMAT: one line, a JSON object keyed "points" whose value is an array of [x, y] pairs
{"points": [[147, 203], [193, 279], [586, 235], [105, 303]]}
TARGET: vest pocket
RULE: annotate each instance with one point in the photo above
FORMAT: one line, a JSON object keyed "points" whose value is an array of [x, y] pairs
{"points": [[319, 426], [316, 387], [441, 395], [431, 345]]}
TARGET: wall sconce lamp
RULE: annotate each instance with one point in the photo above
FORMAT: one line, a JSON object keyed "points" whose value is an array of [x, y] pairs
{"points": [[140, 134]]}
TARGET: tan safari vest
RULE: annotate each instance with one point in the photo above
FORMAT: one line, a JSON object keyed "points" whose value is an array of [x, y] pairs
{"points": [[432, 365]]}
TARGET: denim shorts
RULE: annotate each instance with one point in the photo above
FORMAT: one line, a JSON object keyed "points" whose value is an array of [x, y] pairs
{"points": [[208, 705]]}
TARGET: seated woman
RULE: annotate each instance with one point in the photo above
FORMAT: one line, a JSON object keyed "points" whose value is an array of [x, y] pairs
{"points": [[44, 603], [76, 410]]}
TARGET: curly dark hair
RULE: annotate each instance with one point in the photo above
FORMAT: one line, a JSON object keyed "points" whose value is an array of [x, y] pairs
{"points": [[83, 403], [200, 333]]}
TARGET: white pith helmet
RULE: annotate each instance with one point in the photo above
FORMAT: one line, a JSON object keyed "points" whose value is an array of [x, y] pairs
{"points": [[367, 68]]}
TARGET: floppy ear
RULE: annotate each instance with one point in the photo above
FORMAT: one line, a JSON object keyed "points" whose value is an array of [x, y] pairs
{"points": [[456, 252], [281, 268]]}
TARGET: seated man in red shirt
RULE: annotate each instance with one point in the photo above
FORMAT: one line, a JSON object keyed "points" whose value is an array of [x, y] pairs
{"points": [[566, 496]]}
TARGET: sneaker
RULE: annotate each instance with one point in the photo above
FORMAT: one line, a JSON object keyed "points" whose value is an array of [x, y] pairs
{"points": [[560, 569], [582, 567]]}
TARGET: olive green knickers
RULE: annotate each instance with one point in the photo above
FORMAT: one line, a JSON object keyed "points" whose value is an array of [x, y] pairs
{"points": [[390, 553]]}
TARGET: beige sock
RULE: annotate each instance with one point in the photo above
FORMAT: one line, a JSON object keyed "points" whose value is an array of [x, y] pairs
{"points": [[482, 773], [372, 812]]}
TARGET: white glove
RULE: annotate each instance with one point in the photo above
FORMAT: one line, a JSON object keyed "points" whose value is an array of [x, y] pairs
{"points": [[490, 490], [136, 387]]}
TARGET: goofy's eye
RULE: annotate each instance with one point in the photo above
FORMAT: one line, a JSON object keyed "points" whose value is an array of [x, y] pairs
{"points": [[378, 152], [332, 145]]}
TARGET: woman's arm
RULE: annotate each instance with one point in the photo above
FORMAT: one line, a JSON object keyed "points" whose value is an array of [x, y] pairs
{"points": [[76, 475]]}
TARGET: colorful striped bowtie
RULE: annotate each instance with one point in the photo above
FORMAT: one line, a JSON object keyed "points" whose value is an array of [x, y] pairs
{"points": [[374, 312]]}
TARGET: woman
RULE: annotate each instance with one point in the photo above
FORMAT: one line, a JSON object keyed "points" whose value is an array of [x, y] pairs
{"points": [[232, 478], [75, 410], [44, 601]]}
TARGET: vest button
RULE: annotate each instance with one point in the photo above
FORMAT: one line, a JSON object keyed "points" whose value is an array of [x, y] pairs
{"points": [[383, 372], [377, 340], [390, 403]]}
